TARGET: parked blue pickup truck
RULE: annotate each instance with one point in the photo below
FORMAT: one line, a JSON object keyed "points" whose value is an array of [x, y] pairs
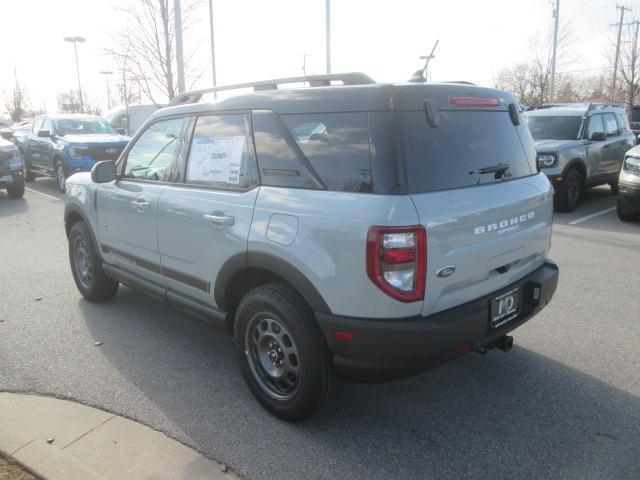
{"points": [[60, 145]]}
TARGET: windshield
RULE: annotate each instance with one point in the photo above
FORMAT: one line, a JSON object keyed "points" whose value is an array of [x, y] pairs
{"points": [[82, 126], [554, 127]]}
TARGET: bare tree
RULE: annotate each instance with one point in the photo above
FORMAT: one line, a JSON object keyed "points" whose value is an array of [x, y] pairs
{"points": [[146, 46], [16, 102], [530, 80]]}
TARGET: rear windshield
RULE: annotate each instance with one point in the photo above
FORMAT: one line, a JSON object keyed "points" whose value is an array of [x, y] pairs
{"points": [[635, 115], [554, 127], [453, 154]]}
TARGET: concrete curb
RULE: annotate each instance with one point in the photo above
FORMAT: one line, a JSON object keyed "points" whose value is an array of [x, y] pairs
{"points": [[63, 440]]}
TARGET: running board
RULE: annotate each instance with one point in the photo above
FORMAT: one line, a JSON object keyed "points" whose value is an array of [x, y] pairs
{"points": [[181, 302]]}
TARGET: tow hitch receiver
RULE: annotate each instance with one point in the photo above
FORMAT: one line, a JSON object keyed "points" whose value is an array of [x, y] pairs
{"points": [[504, 343]]}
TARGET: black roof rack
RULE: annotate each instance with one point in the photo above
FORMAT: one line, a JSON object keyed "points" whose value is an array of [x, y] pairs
{"points": [[353, 78]]}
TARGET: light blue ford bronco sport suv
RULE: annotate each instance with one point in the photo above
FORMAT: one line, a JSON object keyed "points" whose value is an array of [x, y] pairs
{"points": [[347, 229]]}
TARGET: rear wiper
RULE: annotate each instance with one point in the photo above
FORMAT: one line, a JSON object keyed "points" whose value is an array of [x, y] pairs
{"points": [[498, 169]]}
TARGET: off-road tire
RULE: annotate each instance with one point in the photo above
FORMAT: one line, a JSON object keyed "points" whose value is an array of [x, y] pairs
{"points": [[569, 191], [100, 288], [29, 176], [58, 171], [17, 191], [614, 187], [318, 382], [624, 215]]}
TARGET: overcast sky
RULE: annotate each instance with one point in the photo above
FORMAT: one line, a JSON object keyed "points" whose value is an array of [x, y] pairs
{"points": [[259, 39]]}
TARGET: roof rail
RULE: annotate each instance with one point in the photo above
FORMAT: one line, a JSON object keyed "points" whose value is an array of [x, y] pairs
{"points": [[353, 78]]}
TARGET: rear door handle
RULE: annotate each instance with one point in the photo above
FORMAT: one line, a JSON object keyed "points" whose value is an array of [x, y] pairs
{"points": [[219, 218]]}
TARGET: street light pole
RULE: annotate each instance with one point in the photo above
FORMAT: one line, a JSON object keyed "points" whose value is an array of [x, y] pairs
{"points": [[75, 41], [106, 74], [327, 24], [556, 16], [177, 14], [213, 49]]}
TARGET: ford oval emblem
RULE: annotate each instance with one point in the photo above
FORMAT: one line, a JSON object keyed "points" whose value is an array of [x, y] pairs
{"points": [[446, 271]]}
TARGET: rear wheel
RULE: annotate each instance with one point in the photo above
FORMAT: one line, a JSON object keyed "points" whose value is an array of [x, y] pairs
{"points": [[282, 354], [86, 266], [569, 192], [614, 187], [625, 215], [60, 175], [27, 173]]}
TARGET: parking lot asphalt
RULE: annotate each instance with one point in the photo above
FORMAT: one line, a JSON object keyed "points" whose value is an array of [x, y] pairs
{"points": [[564, 403]]}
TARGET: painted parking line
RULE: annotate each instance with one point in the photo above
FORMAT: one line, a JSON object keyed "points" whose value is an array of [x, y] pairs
{"points": [[593, 215], [42, 193]]}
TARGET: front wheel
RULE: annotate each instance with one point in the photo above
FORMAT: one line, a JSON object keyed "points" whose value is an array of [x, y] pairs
{"points": [[86, 266], [16, 191], [624, 215], [569, 191], [27, 173], [61, 176], [282, 354]]}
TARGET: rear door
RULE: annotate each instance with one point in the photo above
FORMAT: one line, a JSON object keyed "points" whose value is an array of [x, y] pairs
{"points": [[615, 146], [32, 142], [485, 228], [596, 151], [128, 207], [205, 219]]}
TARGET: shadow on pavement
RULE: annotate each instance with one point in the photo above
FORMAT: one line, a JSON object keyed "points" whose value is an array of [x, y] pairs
{"points": [[12, 206], [516, 415]]}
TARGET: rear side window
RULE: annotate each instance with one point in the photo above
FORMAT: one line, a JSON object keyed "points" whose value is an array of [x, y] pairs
{"points": [[610, 124], [623, 122], [595, 125], [220, 154], [337, 146], [453, 154]]}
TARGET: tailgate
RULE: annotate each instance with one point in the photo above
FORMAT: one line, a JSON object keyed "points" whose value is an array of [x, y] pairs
{"points": [[497, 234]]}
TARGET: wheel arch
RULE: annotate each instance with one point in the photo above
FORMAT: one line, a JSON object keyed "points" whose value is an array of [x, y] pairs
{"points": [[577, 163], [74, 214], [246, 271]]}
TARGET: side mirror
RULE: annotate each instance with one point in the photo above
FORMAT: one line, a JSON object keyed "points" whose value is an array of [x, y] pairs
{"points": [[598, 136], [6, 134], [121, 131], [103, 172], [44, 133]]}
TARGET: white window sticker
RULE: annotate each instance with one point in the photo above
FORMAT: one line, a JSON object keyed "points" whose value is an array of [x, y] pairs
{"points": [[214, 160]]}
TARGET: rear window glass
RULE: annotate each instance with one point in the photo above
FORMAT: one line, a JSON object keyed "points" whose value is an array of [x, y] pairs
{"points": [[337, 146], [635, 115], [554, 127], [452, 155]]}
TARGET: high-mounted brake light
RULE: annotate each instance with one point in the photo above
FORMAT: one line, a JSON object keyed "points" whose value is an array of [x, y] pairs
{"points": [[396, 261], [475, 101]]}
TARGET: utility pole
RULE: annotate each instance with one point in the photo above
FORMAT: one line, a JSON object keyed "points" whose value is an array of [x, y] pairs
{"points": [[75, 41], [327, 23], [177, 14], [622, 9], [556, 16], [106, 74], [213, 49], [304, 63]]}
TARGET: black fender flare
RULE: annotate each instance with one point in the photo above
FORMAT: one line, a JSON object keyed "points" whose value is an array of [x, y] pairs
{"points": [[576, 162], [72, 209], [271, 263]]}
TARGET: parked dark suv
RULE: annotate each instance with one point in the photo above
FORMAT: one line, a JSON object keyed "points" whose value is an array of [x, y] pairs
{"points": [[351, 229]]}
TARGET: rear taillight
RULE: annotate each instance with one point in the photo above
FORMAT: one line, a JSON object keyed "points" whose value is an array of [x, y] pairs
{"points": [[396, 261]]}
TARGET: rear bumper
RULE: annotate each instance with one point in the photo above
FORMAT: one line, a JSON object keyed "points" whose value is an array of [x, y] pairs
{"points": [[629, 196], [393, 348]]}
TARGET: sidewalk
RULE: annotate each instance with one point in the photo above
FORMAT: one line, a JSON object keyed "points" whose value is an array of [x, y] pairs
{"points": [[63, 440]]}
